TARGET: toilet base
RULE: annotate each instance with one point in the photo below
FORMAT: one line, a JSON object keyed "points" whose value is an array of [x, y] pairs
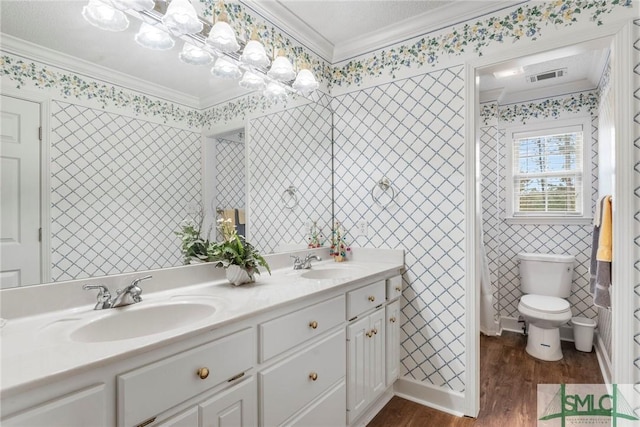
{"points": [[544, 344]]}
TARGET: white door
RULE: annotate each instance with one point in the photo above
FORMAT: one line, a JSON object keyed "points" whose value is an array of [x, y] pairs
{"points": [[393, 341], [19, 193], [357, 375], [377, 367], [235, 407]]}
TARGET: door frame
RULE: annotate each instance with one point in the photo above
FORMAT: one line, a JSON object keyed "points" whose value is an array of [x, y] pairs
{"points": [[623, 213], [45, 173]]}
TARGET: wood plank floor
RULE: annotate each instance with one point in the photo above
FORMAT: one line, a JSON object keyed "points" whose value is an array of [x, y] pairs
{"points": [[508, 382]]}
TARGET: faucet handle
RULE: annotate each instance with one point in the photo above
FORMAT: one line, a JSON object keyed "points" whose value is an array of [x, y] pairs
{"points": [[103, 298], [137, 281]]}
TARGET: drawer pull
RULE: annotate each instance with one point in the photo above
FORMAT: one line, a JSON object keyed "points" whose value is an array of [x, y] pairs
{"points": [[313, 376], [392, 319], [398, 289], [374, 331], [369, 334], [203, 373], [372, 298], [313, 325]]}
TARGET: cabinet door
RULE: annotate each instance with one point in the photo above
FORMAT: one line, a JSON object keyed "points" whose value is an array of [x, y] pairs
{"points": [[393, 342], [377, 368], [235, 407], [357, 375], [80, 409]]}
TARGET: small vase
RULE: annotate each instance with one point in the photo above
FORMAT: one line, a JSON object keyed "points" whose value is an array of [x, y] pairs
{"points": [[238, 275]]}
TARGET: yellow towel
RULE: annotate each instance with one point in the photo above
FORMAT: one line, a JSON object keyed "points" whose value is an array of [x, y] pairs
{"points": [[605, 239], [241, 219], [229, 214]]}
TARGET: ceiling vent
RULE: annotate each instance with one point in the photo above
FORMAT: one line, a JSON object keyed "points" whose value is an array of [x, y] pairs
{"points": [[547, 75]]}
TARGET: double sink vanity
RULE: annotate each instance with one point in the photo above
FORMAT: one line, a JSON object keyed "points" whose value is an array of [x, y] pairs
{"points": [[307, 347]]}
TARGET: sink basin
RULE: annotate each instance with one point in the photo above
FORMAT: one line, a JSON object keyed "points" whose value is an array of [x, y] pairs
{"points": [[138, 321], [328, 273]]}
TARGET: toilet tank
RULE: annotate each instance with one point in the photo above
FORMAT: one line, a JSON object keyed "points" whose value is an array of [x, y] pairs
{"points": [[546, 274]]}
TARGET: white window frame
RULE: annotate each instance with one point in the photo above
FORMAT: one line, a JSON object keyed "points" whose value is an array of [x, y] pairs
{"points": [[551, 127]]}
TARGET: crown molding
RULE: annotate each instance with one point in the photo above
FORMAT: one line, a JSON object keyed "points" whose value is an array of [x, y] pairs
{"points": [[419, 25], [288, 22], [75, 65]]}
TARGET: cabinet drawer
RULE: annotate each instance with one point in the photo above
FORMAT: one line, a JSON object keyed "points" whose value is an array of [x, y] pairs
{"points": [[394, 288], [285, 332], [365, 298], [147, 391], [287, 387], [329, 410]]}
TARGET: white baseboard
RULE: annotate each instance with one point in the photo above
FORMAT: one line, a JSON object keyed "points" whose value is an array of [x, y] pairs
{"points": [[603, 360], [430, 395], [511, 324]]}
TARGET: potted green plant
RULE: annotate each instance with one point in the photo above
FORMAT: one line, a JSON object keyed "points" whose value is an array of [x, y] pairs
{"points": [[194, 247], [239, 257]]}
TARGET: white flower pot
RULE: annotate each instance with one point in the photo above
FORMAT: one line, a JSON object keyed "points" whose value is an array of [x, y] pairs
{"points": [[238, 275]]}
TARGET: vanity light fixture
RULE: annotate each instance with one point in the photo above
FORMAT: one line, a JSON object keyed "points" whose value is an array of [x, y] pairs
{"points": [[254, 53], [225, 69], [154, 38], [305, 82], [104, 16], [281, 69], [221, 36], [204, 42], [181, 18], [194, 55], [252, 81], [510, 72]]}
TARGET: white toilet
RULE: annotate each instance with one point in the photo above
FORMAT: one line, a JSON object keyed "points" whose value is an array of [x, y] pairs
{"points": [[545, 279]]}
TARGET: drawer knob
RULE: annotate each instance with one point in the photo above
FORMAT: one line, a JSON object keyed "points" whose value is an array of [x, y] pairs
{"points": [[313, 376], [392, 320], [313, 325], [398, 289], [203, 373], [374, 331], [369, 334], [372, 298]]}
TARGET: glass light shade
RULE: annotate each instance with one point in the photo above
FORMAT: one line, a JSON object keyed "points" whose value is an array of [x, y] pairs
{"points": [[194, 55], [225, 69], [305, 82], [153, 38], [181, 18], [275, 91], [281, 70], [137, 5], [254, 54], [105, 17], [252, 81], [223, 38]]}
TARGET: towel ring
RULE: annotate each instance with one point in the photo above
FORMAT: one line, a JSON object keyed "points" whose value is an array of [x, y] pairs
{"points": [[386, 194], [289, 197]]}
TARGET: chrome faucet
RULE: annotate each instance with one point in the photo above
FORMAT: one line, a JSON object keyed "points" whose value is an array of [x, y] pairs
{"points": [[126, 296], [304, 264]]}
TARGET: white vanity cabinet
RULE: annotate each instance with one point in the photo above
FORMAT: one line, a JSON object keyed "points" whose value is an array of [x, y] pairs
{"points": [[148, 391], [366, 348], [302, 386], [78, 409]]}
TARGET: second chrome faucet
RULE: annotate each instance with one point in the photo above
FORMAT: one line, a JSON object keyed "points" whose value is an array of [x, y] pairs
{"points": [[305, 263], [126, 296]]}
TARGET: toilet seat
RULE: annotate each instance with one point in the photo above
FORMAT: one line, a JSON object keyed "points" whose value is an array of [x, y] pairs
{"points": [[546, 304]]}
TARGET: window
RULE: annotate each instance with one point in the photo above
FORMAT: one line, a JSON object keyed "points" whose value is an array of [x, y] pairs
{"points": [[548, 173]]}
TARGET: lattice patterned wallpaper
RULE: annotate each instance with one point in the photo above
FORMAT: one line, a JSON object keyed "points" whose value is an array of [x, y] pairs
{"points": [[119, 188], [289, 148], [504, 241], [230, 174], [411, 131]]}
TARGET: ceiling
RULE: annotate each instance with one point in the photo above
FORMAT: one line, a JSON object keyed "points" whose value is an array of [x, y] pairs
{"points": [[335, 30]]}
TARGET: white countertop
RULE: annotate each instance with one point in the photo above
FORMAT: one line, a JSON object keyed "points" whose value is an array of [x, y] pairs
{"points": [[37, 349]]}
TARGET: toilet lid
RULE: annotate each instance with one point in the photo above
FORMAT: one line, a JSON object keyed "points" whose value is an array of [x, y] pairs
{"points": [[545, 303]]}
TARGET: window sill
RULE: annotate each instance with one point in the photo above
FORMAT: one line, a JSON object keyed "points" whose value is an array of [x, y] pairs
{"points": [[561, 220]]}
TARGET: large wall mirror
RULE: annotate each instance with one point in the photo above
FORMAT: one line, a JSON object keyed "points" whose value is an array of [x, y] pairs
{"points": [[124, 163]]}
